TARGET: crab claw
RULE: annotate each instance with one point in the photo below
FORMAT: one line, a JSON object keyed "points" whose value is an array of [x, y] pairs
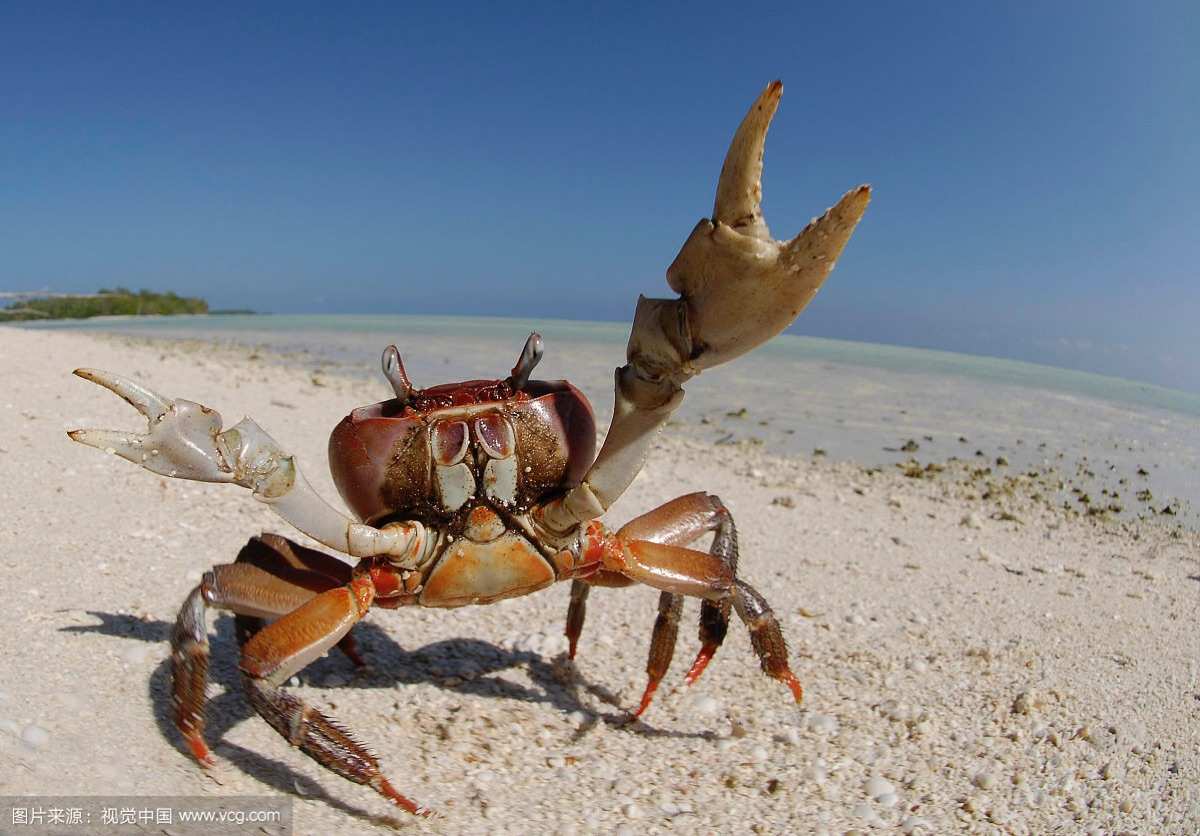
{"points": [[181, 439], [185, 440], [742, 287]]}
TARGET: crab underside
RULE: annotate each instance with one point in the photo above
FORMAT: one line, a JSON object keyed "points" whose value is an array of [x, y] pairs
{"points": [[474, 492]]}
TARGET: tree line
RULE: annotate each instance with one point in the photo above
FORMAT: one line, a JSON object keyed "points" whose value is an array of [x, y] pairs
{"points": [[118, 301]]}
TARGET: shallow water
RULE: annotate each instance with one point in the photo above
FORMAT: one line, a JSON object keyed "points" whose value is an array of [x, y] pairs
{"points": [[856, 401]]}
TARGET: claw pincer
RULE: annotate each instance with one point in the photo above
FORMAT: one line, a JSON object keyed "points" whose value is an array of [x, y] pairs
{"points": [[473, 492]]}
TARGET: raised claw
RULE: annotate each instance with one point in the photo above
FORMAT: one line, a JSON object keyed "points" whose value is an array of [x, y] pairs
{"points": [[181, 440], [737, 289], [741, 286]]}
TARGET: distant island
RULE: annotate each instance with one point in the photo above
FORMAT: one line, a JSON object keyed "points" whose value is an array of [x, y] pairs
{"points": [[120, 301]]}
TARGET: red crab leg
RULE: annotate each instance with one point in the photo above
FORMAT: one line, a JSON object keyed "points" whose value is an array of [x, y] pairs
{"points": [[577, 610], [678, 522], [662, 646], [271, 577], [669, 568], [284, 647], [681, 521], [765, 636], [576, 613], [647, 549], [287, 575]]}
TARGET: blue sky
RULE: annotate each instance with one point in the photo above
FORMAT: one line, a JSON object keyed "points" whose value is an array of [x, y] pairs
{"points": [[1036, 166]]}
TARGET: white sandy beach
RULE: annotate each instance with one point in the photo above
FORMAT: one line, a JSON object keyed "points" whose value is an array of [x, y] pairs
{"points": [[991, 665]]}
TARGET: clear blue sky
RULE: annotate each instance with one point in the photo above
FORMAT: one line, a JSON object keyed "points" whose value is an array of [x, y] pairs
{"points": [[1036, 166]]}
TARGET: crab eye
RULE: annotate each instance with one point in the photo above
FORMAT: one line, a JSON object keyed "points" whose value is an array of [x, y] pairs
{"points": [[495, 435], [448, 442]]}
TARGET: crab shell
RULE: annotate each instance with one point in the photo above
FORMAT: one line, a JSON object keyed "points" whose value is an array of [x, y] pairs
{"points": [[427, 457]]}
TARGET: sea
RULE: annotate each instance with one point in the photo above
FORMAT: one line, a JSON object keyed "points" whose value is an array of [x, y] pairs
{"points": [[869, 403]]}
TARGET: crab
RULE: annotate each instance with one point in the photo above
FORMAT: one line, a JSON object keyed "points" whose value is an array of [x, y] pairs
{"points": [[473, 492]]}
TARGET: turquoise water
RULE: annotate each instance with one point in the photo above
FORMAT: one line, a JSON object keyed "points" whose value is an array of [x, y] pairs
{"points": [[858, 401], [313, 332]]}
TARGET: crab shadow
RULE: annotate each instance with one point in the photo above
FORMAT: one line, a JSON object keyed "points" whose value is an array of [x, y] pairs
{"points": [[465, 666]]}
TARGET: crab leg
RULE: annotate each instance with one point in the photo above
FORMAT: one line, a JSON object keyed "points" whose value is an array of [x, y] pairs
{"points": [[577, 609], [679, 522], [765, 636], [576, 613], [662, 646], [737, 289], [185, 440], [714, 615], [687, 572], [683, 520], [271, 577], [646, 549], [287, 645]]}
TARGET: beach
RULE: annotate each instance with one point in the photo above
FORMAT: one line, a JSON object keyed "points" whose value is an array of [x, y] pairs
{"points": [[980, 650]]}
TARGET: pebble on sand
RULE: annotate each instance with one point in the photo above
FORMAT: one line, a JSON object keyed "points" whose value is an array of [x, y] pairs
{"points": [[34, 736], [1023, 704], [864, 811], [984, 780], [823, 724], [878, 786]]}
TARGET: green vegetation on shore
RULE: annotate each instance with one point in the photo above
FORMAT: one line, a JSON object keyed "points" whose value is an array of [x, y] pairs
{"points": [[115, 302]]}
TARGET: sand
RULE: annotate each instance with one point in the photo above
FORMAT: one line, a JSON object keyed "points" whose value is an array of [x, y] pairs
{"points": [[970, 664]]}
